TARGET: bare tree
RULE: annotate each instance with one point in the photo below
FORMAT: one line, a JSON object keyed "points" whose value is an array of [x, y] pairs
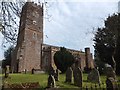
{"points": [[10, 13]]}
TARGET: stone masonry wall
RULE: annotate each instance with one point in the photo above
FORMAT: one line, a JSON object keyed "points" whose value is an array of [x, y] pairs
{"points": [[48, 57], [30, 38]]}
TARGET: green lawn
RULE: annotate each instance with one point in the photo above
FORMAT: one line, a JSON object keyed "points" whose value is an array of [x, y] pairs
{"points": [[22, 78], [42, 79]]}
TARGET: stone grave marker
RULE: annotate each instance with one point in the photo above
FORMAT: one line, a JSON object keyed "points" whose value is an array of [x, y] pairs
{"points": [[94, 76], [56, 75], [51, 81], [69, 75], [110, 72], [77, 74], [7, 71], [51, 71], [111, 84]]}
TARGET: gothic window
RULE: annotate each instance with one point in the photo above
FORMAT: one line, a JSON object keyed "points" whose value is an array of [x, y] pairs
{"points": [[35, 14], [34, 35]]}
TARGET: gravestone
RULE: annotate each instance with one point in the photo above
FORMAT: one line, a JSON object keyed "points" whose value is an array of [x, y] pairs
{"points": [[69, 75], [56, 75], [111, 84], [51, 71], [110, 72], [51, 81], [77, 74], [94, 76], [7, 71]]}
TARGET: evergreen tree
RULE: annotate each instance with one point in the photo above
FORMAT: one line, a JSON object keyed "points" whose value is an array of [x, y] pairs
{"points": [[107, 42], [63, 59], [8, 57]]}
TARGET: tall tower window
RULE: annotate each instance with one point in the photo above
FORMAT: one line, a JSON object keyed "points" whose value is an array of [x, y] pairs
{"points": [[35, 14], [35, 35]]}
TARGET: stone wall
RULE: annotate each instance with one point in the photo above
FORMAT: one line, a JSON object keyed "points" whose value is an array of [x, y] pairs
{"points": [[48, 52], [46, 57]]}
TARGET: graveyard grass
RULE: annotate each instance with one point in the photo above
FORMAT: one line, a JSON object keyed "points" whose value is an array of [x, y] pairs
{"points": [[42, 79]]}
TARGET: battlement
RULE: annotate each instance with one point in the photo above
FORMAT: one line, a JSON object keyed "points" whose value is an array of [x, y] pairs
{"points": [[32, 4]]}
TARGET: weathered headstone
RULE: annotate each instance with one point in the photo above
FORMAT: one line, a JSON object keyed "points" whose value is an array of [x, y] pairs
{"points": [[111, 84], [56, 75], [51, 71], [77, 74], [94, 76], [7, 71], [110, 72], [69, 75], [51, 81]]}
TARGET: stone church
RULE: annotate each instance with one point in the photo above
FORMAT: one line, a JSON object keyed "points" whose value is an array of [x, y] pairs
{"points": [[30, 52]]}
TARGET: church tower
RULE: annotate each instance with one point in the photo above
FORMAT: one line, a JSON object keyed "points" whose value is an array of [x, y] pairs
{"points": [[30, 39]]}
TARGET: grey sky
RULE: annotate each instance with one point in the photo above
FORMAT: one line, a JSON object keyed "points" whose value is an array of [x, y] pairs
{"points": [[71, 23]]}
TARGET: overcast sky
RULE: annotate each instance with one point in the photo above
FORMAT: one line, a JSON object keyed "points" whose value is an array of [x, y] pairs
{"points": [[72, 22]]}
